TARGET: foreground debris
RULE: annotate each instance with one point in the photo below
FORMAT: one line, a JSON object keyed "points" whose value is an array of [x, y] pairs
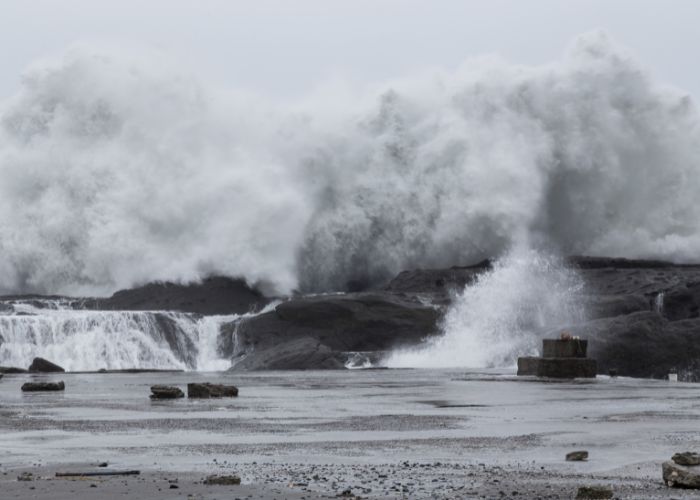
{"points": [[207, 390], [681, 476], [222, 480], [594, 493], [43, 386], [577, 456], [99, 473], [686, 458], [166, 392]]}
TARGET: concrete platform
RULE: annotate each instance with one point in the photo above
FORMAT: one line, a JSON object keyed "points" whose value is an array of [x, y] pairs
{"points": [[557, 367], [567, 368], [570, 348], [528, 365]]}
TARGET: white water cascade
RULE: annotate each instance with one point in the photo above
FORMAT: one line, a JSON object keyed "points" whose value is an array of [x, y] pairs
{"points": [[84, 340]]}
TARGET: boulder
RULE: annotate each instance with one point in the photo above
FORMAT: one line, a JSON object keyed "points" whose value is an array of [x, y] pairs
{"points": [[43, 386], [41, 365], [577, 456], [686, 458], [680, 476], [166, 392], [207, 390]]}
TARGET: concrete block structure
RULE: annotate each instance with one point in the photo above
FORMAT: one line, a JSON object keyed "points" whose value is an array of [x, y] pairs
{"points": [[561, 358]]}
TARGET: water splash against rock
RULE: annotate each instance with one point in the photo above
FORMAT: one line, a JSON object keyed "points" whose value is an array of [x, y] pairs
{"points": [[502, 315]]}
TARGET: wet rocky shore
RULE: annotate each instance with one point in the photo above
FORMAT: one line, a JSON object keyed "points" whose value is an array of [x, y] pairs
{"points": [[345, 434]]}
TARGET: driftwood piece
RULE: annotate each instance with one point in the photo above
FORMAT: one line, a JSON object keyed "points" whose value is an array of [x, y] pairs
{"points": [[100, 473]]}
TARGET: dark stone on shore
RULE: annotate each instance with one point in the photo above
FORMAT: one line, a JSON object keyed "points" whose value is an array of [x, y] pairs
{"points": [[686, 458], [12, 369], [41, 365], [230, 480], [317, 332], [577, 456], [594, 493], [43, 386], [680, 476], [207, 390], [166, 392]]}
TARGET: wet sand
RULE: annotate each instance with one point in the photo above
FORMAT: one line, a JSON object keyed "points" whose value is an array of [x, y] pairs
{"points": [[368, 433]]}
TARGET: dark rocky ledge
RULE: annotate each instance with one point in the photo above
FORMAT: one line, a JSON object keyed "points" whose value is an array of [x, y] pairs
{"points": [[317, 331], [643, 316], [215, 295]]}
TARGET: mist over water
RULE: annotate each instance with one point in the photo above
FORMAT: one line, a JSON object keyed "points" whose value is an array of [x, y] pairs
{"points": [[503, 315], [117, 170]]}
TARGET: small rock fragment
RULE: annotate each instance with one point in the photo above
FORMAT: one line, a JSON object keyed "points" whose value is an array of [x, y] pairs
{"points": [[166, 392], [25, 476], [594, 493], [577, 456], [686, 458], [222, 480]]}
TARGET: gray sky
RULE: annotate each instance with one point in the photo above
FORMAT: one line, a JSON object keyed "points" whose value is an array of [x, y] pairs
{"points": [[284, 47]]}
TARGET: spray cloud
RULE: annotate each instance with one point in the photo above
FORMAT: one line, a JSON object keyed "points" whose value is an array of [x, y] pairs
{"points": [[116, 170]]}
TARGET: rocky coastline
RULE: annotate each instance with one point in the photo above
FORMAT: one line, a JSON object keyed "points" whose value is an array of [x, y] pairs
{"points": [[643, 316]]}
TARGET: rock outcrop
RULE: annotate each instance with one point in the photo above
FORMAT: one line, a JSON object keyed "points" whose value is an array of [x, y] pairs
{"points": [[215, 295], [41, 365], [318, 332]]}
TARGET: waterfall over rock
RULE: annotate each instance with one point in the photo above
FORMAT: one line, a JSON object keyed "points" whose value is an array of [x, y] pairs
{"points": [[91, 340]]}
